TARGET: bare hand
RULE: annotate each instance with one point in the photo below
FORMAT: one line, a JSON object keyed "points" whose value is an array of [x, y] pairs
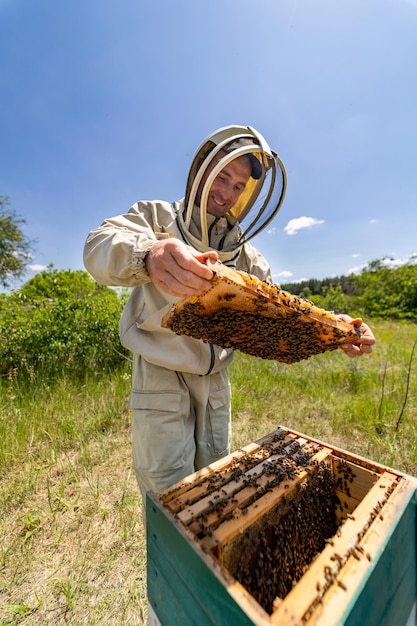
{"points": [[178, 269], [365, 341]]}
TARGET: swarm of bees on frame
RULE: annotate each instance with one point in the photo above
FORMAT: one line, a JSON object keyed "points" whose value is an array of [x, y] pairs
{"points": [[241, 312], [280, 546]]}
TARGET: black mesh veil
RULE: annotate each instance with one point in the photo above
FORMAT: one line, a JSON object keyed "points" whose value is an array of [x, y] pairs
{"points": [[264, 192]]}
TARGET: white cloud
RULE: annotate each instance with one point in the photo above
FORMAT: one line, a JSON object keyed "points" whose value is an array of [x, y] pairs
{"points": [[300, 280], [373, 221], [283, 274], [357, 269], [355, 255], [37, 267], [393, 263], [297, 224], [388, 262], [22, 255], [271, 231]]}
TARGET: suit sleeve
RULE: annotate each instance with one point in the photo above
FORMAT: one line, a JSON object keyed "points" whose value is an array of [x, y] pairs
{"points": [[252, 261], [114, 252]]}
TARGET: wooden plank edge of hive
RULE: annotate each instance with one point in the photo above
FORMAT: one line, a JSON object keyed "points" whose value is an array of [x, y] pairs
{"points": [[353, 457], [331, 563], [361, 477], [357, 569], [238, 494], [247, 602], [202, 474], [233, 527], [352, 492], [180, 490], [237, 487], [237, 592]]}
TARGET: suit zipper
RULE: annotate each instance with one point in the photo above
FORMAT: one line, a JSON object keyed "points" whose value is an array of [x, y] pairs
{"points": [[212, 360]]}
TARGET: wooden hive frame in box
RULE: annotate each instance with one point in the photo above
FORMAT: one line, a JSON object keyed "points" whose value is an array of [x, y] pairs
{"points": [[287, 530]]}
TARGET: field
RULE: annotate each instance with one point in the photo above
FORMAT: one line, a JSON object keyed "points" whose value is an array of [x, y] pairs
{"points": [[72, 547]]}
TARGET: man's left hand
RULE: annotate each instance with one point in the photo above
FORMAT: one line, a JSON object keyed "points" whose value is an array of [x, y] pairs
{"points": [[365, 341]]}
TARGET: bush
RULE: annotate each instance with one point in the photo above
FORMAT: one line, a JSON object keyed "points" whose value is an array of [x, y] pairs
{"points": [[60, 322], [378, 292], [389, 293]]}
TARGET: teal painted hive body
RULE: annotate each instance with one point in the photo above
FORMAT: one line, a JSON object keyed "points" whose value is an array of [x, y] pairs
{"points": [[286, 531]]}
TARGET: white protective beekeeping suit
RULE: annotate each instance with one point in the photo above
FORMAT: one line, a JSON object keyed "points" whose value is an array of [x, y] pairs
{"points": [[180, 397]]}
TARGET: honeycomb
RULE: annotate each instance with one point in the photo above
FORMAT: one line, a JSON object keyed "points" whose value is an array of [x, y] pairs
{"points": [[241, 312]]}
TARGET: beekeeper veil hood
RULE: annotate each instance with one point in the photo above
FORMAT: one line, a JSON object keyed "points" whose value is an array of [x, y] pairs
{"points": [[259, 202]]}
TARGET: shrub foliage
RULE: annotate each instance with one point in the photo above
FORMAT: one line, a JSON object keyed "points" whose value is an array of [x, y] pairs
{"points": [[378, 292], [63, 322], [60, 322]]}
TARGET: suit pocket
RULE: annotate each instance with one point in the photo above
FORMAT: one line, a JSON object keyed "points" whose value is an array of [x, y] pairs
{"points": [[158, 432]]}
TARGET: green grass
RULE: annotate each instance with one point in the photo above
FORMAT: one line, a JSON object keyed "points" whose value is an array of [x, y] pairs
{"points": [[72, 547], [353, 403], [71, 538]]}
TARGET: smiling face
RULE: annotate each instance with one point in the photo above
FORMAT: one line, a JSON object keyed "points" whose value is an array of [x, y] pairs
{"points": [[227, 186]]}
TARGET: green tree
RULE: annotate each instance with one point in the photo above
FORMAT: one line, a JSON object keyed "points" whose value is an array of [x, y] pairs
{"points": [[389, 293], [15, 249], [333, 300]]}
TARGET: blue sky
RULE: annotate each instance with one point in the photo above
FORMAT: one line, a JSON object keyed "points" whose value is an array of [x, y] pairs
{"points": [[103, 103]]}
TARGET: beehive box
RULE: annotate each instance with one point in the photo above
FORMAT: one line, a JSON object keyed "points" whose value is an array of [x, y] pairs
{"points": [[286, 531]]}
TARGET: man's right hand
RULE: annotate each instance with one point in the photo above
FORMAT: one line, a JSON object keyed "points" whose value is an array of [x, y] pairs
{"points": [[178, 269]]}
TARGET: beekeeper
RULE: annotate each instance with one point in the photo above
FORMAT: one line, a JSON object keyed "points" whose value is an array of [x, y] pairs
{"points": [[180, 397]]}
